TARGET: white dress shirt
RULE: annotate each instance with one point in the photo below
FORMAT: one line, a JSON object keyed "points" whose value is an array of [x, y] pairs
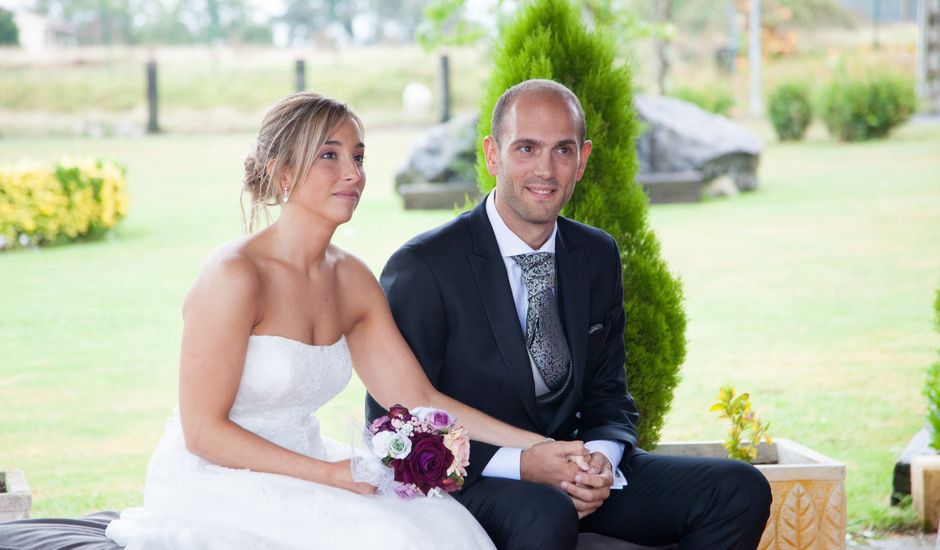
{"points": [[505, 462]]}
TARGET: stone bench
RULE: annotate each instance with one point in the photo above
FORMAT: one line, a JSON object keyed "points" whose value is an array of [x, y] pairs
{"points": [[87, 533], [672, 187]]}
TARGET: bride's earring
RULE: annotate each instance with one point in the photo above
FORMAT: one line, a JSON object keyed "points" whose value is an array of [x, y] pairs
{"points": [[285, 195]]}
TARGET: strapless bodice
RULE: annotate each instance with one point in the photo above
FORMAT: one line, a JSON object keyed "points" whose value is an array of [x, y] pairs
{"points": [[284, 382]]}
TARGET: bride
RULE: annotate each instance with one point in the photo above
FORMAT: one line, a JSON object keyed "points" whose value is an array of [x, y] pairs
{"points": [[272, 327]]}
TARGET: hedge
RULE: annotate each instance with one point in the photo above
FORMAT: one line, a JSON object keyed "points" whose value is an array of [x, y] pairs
{"points": [[71, 200], [866, 108]]}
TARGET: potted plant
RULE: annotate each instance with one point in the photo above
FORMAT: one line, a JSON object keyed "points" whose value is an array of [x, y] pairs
{"points": [[15, 498], [808, 510]]}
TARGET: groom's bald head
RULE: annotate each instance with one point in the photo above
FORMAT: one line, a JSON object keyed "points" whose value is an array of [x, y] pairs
{"points": [[536, 87]]}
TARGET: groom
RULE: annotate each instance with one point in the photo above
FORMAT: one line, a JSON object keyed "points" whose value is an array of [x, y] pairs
{"points": [[519, 312]]}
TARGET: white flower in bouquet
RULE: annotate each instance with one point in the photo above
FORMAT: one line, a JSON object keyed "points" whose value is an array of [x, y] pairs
{"points": [[390, 444]]}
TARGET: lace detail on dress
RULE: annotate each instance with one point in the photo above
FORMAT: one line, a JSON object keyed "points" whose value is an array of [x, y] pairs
{"points": [[284, 383]]}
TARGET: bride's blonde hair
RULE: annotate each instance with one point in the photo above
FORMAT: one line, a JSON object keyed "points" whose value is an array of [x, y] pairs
{"points": [[292, 131]]}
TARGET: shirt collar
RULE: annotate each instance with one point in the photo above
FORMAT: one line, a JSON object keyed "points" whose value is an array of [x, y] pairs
{"points": [[509, 243]]}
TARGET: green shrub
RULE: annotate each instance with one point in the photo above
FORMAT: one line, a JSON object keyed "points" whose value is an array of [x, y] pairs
{"points": [[74, 199], [547, 40], [932, 387], [714, 99], [790, 110], [869, 108]]}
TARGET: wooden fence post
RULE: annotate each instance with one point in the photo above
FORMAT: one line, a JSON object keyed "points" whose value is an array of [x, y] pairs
{"points": [[300, 76], [445, 88], [152, 124]]}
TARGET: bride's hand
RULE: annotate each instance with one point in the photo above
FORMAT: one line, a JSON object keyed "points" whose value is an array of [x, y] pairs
{"points": [[341, 476]]}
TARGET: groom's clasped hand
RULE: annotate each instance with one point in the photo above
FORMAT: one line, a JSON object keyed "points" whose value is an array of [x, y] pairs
{"points": [[569, 465]]}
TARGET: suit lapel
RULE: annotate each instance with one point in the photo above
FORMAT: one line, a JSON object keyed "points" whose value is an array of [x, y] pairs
{"points": [[489, 270], [573, 302]]}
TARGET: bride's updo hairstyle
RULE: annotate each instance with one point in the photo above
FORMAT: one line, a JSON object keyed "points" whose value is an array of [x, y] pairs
{"points": [[291, 133]]}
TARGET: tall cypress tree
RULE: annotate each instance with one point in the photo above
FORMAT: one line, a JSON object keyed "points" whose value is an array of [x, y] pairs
{"points": [[546, 39]]}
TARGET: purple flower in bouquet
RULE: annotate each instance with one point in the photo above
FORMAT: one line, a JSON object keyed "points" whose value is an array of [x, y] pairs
{"points": [[381, 424], [400, 412], [427, 464], [407, 491], [433, 419], [438, 420]]}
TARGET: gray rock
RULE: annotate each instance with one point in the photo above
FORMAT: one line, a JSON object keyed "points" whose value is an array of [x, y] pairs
{"points": [[901, 481], [446, 153], [680, 137], [722, 186]]}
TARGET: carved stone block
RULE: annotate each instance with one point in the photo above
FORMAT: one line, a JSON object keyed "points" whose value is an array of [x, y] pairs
{"points": [[17, 500], [808, 510], [925, 489]]}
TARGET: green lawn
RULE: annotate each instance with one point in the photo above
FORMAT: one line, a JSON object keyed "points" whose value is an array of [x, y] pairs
{"points": [[813, 293]]}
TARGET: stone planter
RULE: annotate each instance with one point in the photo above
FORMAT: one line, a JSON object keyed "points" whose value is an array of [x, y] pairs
{"points": [[808, 512], [17, 500], [925, 490]]}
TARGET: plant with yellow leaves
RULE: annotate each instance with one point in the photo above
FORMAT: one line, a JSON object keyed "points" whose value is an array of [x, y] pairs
{"points": [[74, 199], [747, 431]]}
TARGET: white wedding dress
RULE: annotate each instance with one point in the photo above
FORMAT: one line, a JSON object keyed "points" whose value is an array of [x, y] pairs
{"points": [[190, 503]]}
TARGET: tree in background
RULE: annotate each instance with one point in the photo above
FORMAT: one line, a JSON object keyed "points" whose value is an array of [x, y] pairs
{"points": [[404, 16], [444, 23], [547, 39], [664, 17], [9, 34], [159, 21]]}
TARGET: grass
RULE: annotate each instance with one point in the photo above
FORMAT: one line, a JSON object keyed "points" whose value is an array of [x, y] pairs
{"points": [[813, 293]]}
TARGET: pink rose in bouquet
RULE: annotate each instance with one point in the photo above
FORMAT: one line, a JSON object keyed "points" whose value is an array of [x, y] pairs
{"points": [[457, 442], [424, 448]]}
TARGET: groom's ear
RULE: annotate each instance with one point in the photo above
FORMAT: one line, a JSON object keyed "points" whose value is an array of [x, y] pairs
{"points": [[491, 154]]}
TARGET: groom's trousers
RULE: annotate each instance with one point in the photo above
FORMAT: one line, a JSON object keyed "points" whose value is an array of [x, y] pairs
{"points": [[699, 503]]}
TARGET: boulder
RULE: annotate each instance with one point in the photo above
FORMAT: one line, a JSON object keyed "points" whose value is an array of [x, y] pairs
{"points": [[440, 171], [919, 445], [446, 153], [680, 137]]}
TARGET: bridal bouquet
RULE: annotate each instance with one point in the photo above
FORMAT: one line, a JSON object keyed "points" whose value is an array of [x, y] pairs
{"points": [[423, 449]]}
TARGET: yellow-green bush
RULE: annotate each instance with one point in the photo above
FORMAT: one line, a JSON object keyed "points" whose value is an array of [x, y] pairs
{"points": [[867, 108], [73, 199]]}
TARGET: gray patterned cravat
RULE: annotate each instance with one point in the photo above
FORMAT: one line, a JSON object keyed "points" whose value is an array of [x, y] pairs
{"points": [[544, 335]]}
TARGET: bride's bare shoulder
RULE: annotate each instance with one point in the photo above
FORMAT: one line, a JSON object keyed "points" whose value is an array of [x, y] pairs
{"points": [[349, 268], [230, 272]]}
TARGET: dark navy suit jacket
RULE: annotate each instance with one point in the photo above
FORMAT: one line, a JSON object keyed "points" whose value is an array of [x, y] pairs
{"points": [[450, 296]]}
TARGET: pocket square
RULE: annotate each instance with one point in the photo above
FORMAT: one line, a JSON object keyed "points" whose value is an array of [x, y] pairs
{"points": [[595, 328]]}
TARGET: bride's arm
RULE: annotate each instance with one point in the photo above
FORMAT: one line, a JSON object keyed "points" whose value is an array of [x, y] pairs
{"points": [[218, 316], [390, 372]]}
